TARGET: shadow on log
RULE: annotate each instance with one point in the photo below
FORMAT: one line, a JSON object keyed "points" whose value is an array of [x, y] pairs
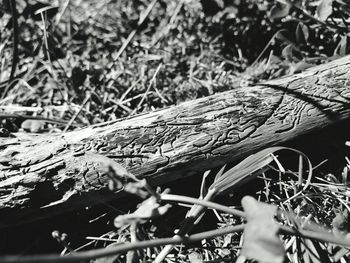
{"points": [[45, 174]]}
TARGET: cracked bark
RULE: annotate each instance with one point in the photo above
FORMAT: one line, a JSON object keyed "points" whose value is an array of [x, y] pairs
{"points": [[45, 173]]}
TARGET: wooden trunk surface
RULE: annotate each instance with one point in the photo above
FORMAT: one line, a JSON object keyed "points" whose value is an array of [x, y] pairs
{"points": [[43, 173]]}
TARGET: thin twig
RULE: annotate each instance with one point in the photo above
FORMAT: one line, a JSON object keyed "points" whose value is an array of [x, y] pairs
{"points": [[61, 12], [122, 248], [87, 98], [148, 89]]}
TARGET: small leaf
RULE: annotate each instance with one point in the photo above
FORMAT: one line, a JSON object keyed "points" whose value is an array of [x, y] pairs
{"points": [[299, 66], [340, 222], [33, 125], [261, 240], [262, 5], [325, 9], [195, 257], [301, 33], [137, 188], [287, 53], [148, 209], [279, 10], [341, 47]]}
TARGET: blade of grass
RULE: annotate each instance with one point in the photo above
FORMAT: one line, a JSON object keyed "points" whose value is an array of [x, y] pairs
{"points": [[15, 42]]}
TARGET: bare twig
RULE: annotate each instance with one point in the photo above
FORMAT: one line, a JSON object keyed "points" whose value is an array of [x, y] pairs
{"points": [[148, 89], [87, 98]]}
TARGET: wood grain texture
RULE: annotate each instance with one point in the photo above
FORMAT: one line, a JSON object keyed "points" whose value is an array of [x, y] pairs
{"points": [[41, 172]]}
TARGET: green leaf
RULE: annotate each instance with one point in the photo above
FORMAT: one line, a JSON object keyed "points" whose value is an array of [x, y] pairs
{"points": [[261, 240], [325, 9]]}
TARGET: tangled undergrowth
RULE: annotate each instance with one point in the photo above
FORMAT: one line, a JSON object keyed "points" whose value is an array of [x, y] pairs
{"points": [[308, 211], [66, 64]]}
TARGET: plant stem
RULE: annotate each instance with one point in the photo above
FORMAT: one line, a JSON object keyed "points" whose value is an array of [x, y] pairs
{"points": [[209, 204], [192, 218], [122, 248]]}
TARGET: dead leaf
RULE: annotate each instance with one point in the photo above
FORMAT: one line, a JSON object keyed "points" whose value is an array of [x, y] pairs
{"points": [[340, 222], [33, 125], [150, 208], [261, 240], [325, 9], [195, 257], [137, 188]]}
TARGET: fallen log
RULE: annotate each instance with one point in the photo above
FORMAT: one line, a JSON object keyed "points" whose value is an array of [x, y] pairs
{"points": [[45, 173]]}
